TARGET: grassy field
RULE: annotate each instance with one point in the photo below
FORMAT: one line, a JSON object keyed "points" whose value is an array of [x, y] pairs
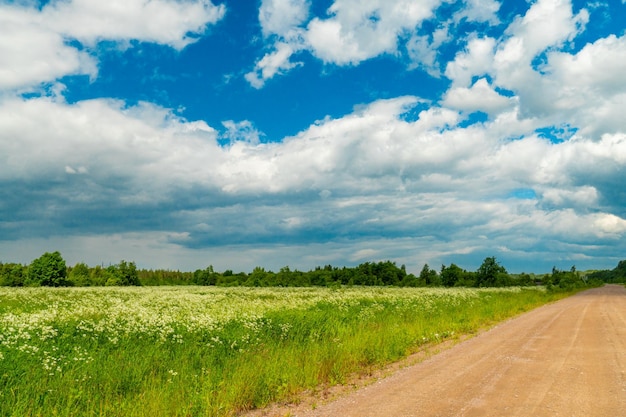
{"points": [[206, 351]]}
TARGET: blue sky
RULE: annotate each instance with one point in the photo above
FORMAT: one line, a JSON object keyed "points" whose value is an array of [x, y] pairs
{"points": [[181, 134]]}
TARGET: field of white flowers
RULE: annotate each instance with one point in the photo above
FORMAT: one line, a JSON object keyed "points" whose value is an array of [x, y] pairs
{"points": [[214, 351]]}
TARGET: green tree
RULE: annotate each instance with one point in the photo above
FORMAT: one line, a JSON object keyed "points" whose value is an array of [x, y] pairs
{"points": [[99, 276], [451, 275], [566, 280], [389, 273], [12, 275], [79, 275], [410, 280], [48, 270], [127, 271], [284, 277], [619, 272], [257, 278], [124, 274], [524, 280], [205, 276], [468, 279], [321, 276], [429, 277], [489, 273], [113, 278]]}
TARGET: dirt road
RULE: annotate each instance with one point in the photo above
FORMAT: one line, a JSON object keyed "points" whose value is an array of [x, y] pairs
{"points": [[563, 359]]}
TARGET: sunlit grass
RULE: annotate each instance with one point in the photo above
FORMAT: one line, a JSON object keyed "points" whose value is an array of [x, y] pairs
{"points": [[198, 351]]}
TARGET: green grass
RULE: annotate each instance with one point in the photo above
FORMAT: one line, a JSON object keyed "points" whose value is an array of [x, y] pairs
{"points": [[197, 351]]}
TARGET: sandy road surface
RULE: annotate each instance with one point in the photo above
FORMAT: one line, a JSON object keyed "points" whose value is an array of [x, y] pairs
{"points": [[563, 359]]}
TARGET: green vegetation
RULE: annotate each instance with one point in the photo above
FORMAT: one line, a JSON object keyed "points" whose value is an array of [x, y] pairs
{"points": [[50, 270], [210, 351], [616, 275], [201, 349]]}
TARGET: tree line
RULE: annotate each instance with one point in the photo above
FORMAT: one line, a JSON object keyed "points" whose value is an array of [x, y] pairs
{"points": [[50, 269]]}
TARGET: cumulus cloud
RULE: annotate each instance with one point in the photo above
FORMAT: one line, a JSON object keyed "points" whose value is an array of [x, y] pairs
{"points": [[41, 139], [241, 131], [402, 175], [356, 31], [352, 31], [371, 174], [35, 47], [587, 87], [547, 24], [609, 225], [280, 23], [173, 23], [279, 17], [31, 52], [480, 11], [476, 60], [582, 197], [479, 97], [533, 66], [276, 62], [583, 68], [422, 49]]}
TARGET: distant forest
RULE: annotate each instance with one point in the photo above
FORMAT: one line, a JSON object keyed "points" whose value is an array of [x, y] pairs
{"points": [[50, 270]]}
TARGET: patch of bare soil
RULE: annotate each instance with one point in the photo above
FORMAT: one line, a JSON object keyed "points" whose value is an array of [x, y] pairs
{"points": [[563, 359]]}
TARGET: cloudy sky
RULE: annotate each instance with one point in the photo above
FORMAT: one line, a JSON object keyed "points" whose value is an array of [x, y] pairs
{"points": [[237, 133]]}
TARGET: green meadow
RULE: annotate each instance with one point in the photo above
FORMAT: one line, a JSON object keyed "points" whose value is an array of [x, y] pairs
{"points": [[210, 351]]}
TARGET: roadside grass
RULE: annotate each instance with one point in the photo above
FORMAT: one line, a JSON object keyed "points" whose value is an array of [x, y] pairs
{"points": [[198, 351]]}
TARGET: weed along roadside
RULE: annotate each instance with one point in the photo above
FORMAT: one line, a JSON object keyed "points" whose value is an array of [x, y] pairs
{"points": [[200, 351]]}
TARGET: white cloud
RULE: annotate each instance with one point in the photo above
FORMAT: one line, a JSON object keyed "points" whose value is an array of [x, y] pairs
{"points": [[41, 139], [333, 46], [364, 255], [609, 225], [280, 21], [34, 44], [479, 97], [599, 66], [357, 30], [547, 24], [422, 49], [279, 17], [370, 151], [241, 131], [275, 62], [173, 23], [405, 186], [585, 196], [31, 53], [352, 32], [588, 87], [79, 170], [550, 85], [480, 11], [477, 60]]}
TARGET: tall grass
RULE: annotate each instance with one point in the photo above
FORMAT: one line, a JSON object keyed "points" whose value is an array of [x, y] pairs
{"points": [[197, 351]]}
